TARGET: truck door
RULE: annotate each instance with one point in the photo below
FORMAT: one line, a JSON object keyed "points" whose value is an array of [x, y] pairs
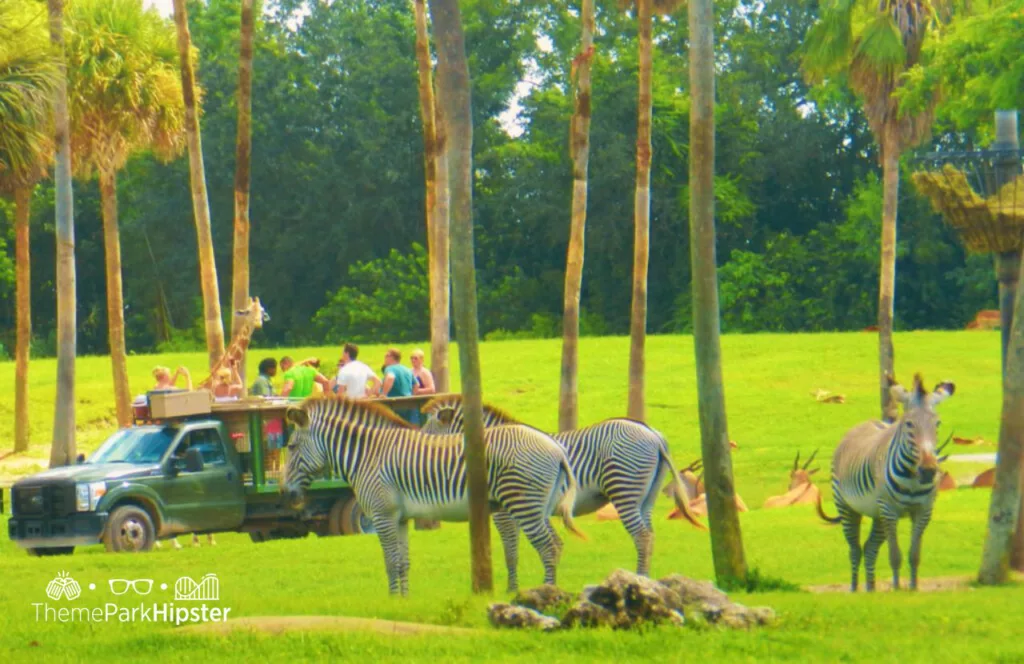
{"points": [[212, 498]]}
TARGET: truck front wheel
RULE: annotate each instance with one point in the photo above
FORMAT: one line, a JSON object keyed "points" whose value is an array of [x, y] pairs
{"points": [[129, 528]]}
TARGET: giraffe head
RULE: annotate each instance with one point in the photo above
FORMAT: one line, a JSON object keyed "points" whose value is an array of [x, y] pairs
{"points": [[920, 422], [254, 315]]}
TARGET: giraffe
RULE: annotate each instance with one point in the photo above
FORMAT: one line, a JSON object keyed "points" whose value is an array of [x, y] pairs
{"points": [[254, 317]]}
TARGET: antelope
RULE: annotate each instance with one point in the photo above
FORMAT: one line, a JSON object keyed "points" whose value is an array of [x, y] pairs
{"points": [[802, 490], [695, 489]]}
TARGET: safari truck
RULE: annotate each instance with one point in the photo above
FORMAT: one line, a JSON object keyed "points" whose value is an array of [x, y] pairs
{"points": [[185, 466]]}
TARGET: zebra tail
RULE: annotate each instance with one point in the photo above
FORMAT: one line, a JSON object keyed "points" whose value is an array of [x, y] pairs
{"points": [[831, 520], [678, 490], [568, 503]]}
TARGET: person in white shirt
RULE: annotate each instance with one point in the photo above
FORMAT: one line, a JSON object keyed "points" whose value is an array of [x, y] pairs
{"points": [[354, 376]]}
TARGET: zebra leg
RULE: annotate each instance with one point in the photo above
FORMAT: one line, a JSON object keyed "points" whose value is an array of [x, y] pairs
{"points": [[632, 518], [403, 559], [919, 522], [509, 532], [871, 548], [851, 529], [895, 557], [387, 527], [545, 540]]}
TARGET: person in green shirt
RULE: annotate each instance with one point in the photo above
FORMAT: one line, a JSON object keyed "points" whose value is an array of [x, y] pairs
{"points": [[262, 386], [398, 382], [300, 378]]}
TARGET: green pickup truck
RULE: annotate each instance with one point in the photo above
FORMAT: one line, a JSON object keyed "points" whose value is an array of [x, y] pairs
{"points": [[211, 472]]}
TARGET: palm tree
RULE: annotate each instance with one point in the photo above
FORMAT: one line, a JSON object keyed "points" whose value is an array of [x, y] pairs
{"points": [[435, 167], [62, 451], [726, 539], [28, 79], [243, 159], [125, 97], [454, 93], [642, 199], [580, 149], [873, 43], [197, 181]]}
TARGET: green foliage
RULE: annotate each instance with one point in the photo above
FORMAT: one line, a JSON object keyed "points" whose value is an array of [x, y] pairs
{"points": [[759, 582], [386, 299]]}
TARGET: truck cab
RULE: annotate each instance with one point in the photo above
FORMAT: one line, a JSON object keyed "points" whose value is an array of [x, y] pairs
{"points": [[144, 482]]}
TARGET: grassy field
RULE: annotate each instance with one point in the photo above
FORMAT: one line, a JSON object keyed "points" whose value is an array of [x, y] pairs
{"points": [[772, 415]]}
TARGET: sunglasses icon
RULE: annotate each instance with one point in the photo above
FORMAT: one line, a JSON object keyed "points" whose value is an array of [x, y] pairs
{"points": [[140, 586]]}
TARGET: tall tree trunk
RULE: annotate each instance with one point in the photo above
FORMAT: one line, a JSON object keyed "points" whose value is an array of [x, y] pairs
{"points": [[62, 451], [568, 406], [243, 158], [437, 231], [641, 217], [887, 277], [726, 539], [454, 93], [200, 202], [115, 297], [1005, 504], [23, 303], [440, 297]]}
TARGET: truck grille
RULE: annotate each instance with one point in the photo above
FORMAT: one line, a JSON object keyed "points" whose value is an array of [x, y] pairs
{"points": [[50, 500]]}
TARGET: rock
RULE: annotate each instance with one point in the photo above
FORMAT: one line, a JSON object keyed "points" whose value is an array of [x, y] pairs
{"points": [[543, 598], [626, 600], [737, 616], [509, 615]]}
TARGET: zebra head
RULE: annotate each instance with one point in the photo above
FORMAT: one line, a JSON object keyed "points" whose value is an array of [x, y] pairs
{"points": [[800, 475], [917, 430], [307, 457]]}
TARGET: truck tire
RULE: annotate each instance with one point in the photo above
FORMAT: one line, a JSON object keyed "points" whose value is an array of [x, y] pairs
{"points": [[52, 551], [258, 536], [129, 529], [347, 518]]}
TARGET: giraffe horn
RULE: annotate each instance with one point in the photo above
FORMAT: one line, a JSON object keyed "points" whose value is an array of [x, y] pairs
{"points": [[813, 454]]}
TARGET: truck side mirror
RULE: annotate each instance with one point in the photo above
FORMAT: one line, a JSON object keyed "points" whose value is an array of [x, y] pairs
{"points": [[193, 460]]}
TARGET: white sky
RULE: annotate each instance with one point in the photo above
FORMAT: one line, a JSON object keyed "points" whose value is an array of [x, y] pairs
{"points": [[165, 6]]}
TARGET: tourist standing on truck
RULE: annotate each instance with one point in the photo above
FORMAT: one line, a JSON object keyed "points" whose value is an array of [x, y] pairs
{"points": [[262, 386], [299, 378], [424, 379], [353, 375], [228, 383], [165, 381], [399, 382]]}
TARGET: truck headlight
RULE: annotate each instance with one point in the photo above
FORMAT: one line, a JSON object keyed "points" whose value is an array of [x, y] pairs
{"points": [[87, 496]]}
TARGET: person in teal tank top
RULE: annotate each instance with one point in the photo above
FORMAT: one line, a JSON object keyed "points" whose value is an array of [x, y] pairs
{"points": [[398, 382]]}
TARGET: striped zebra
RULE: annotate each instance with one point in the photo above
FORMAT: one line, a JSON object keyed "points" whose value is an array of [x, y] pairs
{"points": [[885, 472], [617, 460], [399, 473]]}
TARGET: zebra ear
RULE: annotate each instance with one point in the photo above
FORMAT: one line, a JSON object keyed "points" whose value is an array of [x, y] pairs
{"points": [[445, 416], [297, 416], [942, 392]]}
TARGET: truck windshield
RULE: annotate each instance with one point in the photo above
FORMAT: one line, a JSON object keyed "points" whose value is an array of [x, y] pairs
{"points": [[137, 445]]}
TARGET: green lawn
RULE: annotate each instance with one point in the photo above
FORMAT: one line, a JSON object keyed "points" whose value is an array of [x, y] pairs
{"points": [[769, 379]]}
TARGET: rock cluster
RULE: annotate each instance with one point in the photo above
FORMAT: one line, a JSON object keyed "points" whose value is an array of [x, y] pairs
{"points": [[626, 601]]}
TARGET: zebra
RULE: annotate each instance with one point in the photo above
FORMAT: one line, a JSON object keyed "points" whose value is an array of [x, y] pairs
{"points": [[398, 473], [885, 472], [617, 460]]}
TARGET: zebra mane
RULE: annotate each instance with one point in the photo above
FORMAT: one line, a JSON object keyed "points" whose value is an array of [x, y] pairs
{"points": [[351, 409], [455, 401]]}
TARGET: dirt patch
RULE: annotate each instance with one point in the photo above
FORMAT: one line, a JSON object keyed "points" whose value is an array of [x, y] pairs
{"points": [[282, 624], [936, 584]]}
